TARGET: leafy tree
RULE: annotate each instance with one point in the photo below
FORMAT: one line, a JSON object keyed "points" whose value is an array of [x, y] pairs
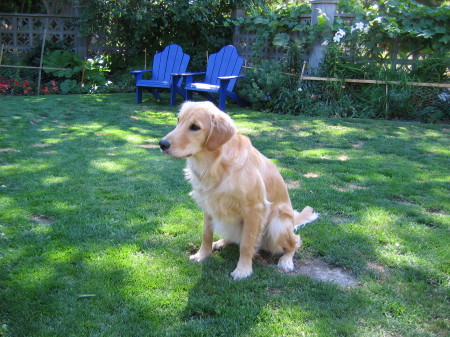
{"points": [[197, 25]]}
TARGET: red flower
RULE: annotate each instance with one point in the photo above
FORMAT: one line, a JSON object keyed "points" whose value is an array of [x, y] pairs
{"points": [[45, 90]]}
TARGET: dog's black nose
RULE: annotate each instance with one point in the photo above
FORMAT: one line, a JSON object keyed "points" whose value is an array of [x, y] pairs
{"points": [[164, 144]]}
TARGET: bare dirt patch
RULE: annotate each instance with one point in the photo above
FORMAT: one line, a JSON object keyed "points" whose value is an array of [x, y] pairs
{"points": [[42, 220], [292, 184], [376, 267], [342, 219], [149, 146], [48, 152], [311, 175], [358, 144], [41, 145], [314, 268], [8, 149], [350, 187], [318, 269]]}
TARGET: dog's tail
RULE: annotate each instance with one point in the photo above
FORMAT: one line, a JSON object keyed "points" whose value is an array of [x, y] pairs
{"points": [[306, 216]]}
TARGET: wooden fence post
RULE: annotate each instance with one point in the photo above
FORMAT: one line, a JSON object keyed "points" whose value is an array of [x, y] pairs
{"points": [[81, 42], [320, 7]]}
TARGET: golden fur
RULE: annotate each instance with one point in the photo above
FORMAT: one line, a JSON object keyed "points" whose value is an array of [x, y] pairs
{"points": [[242, 194]]}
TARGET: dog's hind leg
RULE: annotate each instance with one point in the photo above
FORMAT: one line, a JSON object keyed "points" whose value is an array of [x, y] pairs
{"points": [[281, 239], [286, 261], [254, 217]]}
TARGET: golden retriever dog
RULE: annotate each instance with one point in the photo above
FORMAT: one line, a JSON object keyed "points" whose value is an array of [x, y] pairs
{"points": [[242, 194]]}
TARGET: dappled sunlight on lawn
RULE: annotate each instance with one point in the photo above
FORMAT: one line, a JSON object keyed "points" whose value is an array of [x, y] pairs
{"points": [[96, 225]]}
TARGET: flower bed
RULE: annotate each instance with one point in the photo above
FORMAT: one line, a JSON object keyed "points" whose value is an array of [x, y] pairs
{"points": [[11, 86]]}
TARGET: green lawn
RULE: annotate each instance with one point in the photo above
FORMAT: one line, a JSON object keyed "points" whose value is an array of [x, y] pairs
{"points": [[96, 226]]}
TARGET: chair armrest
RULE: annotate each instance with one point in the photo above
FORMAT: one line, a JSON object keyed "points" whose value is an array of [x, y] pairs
{"points": [[229, 77], [189, 74], [140, 71]]}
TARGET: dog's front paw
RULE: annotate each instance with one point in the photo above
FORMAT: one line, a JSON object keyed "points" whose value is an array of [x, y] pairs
{"points": [[286, 264], [199, 257], [241, 273]]}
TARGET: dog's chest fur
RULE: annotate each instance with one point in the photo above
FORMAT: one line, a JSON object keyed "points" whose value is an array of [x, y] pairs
{"points": [[217, 199]]}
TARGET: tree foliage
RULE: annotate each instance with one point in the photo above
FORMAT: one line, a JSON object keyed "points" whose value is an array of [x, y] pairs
{"points": [[197, 25], [415, 26]]}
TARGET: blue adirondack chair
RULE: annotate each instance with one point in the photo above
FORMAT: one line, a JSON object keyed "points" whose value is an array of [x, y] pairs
{"points": [[222, 71], [170, 60]]}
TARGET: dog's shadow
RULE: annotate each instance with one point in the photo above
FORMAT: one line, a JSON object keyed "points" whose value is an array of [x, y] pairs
{"points": [[216, 298]]}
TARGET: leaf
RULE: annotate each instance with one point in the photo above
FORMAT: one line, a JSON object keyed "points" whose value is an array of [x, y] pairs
{"points": [[281, 40], [68, 86], [322, 21], [261, 20], [444, 39], [70, 63]]}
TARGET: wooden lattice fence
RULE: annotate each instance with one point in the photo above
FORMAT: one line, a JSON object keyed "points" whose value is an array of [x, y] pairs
{"points": [[21, 32]]}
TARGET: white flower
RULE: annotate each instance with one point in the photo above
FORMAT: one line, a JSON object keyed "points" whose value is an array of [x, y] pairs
{"points": [[361, 27], [339, 35], [444, 96], [300, 89], [378, 19], [358, 26], [325, 43], [108, 83]]}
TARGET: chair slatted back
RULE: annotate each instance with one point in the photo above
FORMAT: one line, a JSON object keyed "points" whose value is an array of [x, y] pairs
{"points": [[170, 60], [226, 62]]}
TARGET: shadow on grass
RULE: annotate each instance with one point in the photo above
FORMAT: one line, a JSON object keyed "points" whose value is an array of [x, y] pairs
{"points": [[219, 306], [122, 222]]}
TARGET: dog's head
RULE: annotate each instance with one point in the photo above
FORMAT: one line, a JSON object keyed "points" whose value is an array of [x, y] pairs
{"points": [[201, 127]]}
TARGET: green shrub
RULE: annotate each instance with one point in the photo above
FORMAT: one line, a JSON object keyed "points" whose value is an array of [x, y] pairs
{"points": [[262, 85], [76, 73], [68, 86], [359, 51]]}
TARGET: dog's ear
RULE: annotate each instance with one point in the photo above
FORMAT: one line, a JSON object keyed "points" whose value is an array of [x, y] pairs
{"points": [[221, 131]]}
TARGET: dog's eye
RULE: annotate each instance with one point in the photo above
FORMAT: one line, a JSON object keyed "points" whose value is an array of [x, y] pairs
{"points": [[194, 127]]}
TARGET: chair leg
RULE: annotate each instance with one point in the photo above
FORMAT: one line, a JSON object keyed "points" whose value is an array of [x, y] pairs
{"points": [[173, 95], [138, 95], [156, 94], [174, 90], [208, 96], [223, 93], [188, 95], [222, 101], [235, 98]]}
